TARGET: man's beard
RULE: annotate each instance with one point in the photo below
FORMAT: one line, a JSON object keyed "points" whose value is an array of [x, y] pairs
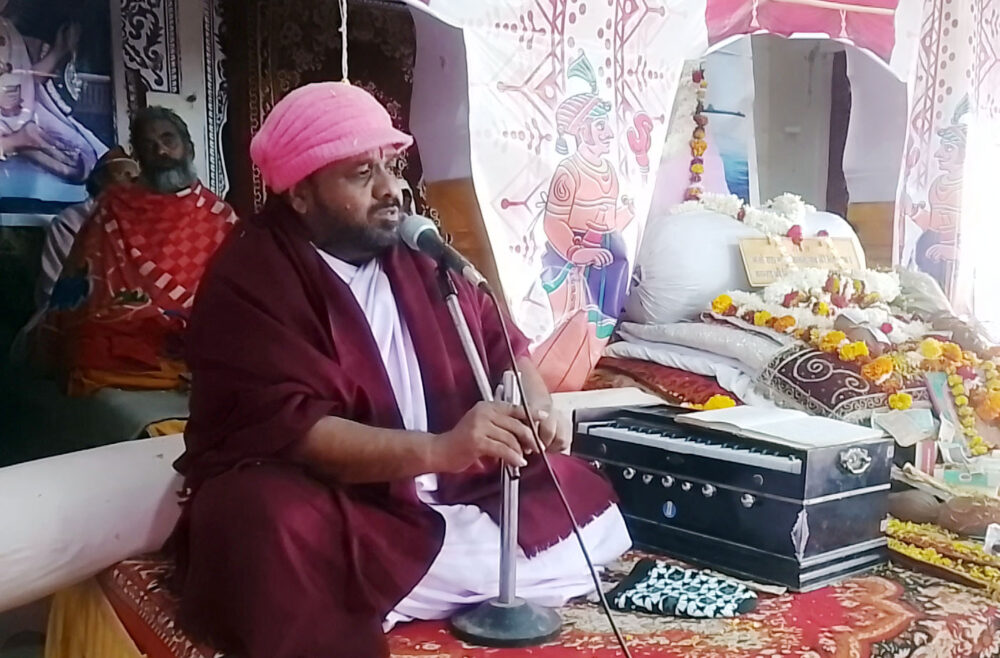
{"points": [[168, 180], [361, 239]]}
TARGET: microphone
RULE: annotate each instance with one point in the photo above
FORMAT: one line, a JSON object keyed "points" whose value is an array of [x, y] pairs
{"points": [[420, 234]]}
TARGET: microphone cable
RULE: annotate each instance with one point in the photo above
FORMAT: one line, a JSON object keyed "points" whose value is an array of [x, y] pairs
{"points": [[552, 474]]}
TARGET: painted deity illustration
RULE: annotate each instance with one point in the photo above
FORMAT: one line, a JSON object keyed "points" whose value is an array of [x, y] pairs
{"points": [[937, 248], [585, 263], [35, 123]]}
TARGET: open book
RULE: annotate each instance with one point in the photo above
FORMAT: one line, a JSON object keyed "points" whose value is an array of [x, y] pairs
{"points": [[787, 427]]}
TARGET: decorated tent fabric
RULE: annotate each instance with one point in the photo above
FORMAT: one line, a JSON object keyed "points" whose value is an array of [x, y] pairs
{"points": [[568, 105], [893, 613], [945, 221]]}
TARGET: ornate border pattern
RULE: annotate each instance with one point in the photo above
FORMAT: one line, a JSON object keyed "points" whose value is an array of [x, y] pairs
{"points": [[149, 44], [216, 97]]}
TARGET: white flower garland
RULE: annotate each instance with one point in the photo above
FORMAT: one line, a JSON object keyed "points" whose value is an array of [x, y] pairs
{"points": [[775, 218], [811, 282]]}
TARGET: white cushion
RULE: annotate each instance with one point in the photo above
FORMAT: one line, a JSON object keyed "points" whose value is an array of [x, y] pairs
{"points": [[752, 350], [686, 260], [729, 373], [65, 518]]}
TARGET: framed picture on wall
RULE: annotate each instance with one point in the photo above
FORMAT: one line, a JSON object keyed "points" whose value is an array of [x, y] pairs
{"points": [[57, 107]]}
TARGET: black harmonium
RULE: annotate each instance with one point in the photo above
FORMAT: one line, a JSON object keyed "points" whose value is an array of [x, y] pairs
{"points": [[801, 517]]}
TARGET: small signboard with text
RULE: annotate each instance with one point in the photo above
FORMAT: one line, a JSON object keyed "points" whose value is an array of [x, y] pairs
{"points": [[765, 260]]}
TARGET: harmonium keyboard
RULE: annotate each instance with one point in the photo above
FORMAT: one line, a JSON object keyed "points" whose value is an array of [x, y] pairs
{"points": [[773, 512]]}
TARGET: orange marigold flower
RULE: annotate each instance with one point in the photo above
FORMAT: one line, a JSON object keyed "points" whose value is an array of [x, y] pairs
{"points": [[878, 370], [784, 324]]}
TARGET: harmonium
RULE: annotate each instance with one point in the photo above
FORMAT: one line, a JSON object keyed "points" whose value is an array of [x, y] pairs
{"points": [[799, 513]]}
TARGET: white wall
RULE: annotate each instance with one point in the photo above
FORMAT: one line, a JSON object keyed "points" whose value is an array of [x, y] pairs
{"points": [[792, 115], [439, 109], [874, 152]]}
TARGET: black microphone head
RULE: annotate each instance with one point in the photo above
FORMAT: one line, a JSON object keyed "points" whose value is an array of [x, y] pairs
{"points": [[414, 226]]}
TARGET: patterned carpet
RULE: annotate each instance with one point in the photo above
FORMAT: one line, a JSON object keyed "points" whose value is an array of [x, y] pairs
{"points": [[891, 613]]}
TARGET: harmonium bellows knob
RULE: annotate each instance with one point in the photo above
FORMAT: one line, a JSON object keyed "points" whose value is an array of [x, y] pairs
{"points": [[747, 500], [708, 490], [758, 479], [667, 481], [628, 473], [647, 478], [602, 448], [685, 486], [596, 464]]}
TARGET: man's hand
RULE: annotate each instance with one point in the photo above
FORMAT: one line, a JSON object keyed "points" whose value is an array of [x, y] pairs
{"points": [[489, 430], [555, 435]]}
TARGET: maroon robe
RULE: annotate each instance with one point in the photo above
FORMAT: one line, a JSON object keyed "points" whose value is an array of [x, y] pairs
{"points": [[274, 562]]}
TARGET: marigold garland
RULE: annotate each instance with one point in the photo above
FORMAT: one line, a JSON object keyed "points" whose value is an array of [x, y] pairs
{"points": [[698, 144], [935, 546]]}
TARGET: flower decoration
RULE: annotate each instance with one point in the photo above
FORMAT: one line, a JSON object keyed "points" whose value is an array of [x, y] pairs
{"points": [[761, 318], [853, 351], [900, 401], [698, 144], [931, 349], [784, 324], [721, 304], [832, 340], [879, 370], [719, 402]]}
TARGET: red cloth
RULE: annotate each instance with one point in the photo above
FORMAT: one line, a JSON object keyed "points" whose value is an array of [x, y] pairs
{"points": [[673, 385], [129, 283], [840, 19], [276, 561]]}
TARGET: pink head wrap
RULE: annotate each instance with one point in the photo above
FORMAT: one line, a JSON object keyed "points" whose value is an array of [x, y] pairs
{"points": [[317, 125]]}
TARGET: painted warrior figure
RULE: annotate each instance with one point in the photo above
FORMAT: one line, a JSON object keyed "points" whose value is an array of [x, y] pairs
{"points": [[585, 266], [937, 249]]}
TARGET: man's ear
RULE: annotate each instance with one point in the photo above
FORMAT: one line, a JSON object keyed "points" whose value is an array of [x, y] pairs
{"points": [[299, 197]]}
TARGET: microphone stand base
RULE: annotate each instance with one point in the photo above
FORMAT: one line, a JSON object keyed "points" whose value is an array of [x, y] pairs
{"points": [[494, 624]]}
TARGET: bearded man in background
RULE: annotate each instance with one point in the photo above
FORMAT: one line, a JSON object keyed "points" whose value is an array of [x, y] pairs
{"points": [[118, 313]]}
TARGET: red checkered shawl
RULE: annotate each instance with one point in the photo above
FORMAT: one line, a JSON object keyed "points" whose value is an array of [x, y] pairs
{"points": [[131, 277]]}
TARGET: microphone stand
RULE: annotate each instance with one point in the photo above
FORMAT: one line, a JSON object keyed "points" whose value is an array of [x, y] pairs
{"points": [[504, 621]]}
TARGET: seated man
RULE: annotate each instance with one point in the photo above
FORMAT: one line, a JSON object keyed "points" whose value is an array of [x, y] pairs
{"points": [[342, 475], [113, 168], [117, 314]]}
